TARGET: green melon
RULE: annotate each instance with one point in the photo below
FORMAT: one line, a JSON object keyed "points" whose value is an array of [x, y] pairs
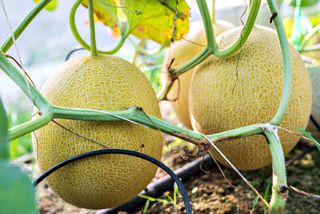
{"points": [[245, 89], [104, 83]]}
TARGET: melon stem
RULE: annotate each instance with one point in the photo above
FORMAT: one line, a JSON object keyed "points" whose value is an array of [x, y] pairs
{"points": [[279, 181], [80, 40], [93, 48], [30, 126], [34, 95], [206, 19], [287, 67], [212, 46]]}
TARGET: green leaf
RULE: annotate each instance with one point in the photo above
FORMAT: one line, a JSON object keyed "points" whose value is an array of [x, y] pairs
{"points": [[310, 137], [17, 193], [52, 6], [158, 20], [4, 153]]}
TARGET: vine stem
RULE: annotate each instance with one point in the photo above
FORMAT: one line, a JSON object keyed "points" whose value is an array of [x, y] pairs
{"points": [[93, 48], [287, 67], [212, 47], [33, 94], [29, 126], [22, 26], [137, 116], [80, 40], [163, 95], [206, 19], [279, 180]]}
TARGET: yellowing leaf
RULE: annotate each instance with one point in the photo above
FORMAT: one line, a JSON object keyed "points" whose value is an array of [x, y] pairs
{"points": [[159, 20], [51, 6], [105, 11]]}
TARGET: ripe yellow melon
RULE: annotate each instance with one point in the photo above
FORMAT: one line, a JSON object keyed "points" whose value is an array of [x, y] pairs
{"points": [[182, 51], [103, 83], [245, 89]]}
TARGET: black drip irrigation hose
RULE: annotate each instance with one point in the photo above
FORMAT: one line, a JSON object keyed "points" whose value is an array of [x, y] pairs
{"points": [[158, 187], [73, 51], [314, 121], [122, 152]]}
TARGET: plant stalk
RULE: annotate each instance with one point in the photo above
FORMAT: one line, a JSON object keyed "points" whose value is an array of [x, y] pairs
{"points": [[30, 126], [287, 66], [22, 26], [206, 19], [80, 40], [34, 95], [279, 186], [212, 47], [137, 116], [93, 48], [254, 9], [190, 64]]}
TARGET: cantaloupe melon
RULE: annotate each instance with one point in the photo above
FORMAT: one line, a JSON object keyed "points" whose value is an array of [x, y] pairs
{"points": [[182, 51], [245, 89], [104, 83]]}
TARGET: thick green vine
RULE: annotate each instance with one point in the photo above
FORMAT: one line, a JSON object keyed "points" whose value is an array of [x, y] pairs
{"points": [[93, 48], [23, 25], [81, 41], [212, 47]]}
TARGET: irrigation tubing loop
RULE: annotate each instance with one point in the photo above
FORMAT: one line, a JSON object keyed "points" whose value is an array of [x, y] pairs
{"points": [[122, 152], [72, 52]]}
